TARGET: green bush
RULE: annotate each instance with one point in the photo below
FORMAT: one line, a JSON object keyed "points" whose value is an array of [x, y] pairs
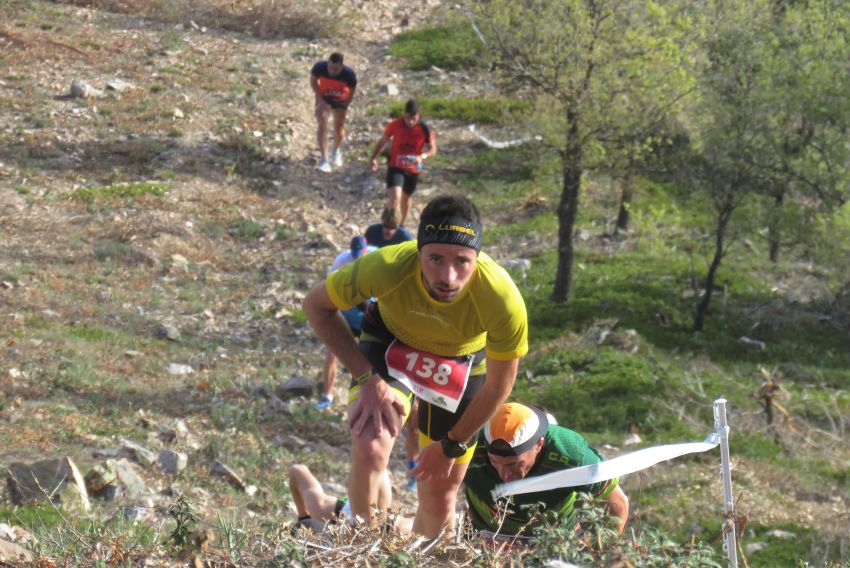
{"points": [[598, 391], [452, 46], [486, 111]]}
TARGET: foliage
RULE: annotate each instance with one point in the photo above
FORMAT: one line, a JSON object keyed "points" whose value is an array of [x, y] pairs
{"points": [[758, 125], [601, 78], [127, 191], [797, 546], [467, 110], [247, 229], [449, 46], [45, 516], [597, 544], [185, 520], [598, 390]]}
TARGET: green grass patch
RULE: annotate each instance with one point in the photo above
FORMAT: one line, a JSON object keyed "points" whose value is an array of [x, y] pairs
{"points": [[31, 517], [597, 390], [495, 174], [89, 333], [247, 229], [298, 317], [119, 191], [451, 46], [477, 110], [803, 547], [651, 294], [756, 445]]}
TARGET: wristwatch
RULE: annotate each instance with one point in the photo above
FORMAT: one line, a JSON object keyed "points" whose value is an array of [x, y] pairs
{"points": [[451, 448]]}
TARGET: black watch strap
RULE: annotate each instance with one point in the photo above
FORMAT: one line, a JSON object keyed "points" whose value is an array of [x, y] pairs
{"points": [[453, 449]]}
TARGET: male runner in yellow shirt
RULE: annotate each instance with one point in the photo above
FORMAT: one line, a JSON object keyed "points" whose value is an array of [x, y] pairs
{"points": [[449, 327]]}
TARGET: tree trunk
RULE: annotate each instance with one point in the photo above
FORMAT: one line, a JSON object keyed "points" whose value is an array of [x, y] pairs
{"points": [[625, 203], [723, 216], [773, 226], [567, 211]]}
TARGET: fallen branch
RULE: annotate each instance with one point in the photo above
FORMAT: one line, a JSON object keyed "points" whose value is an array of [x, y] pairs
{"points": [[29, 43]]}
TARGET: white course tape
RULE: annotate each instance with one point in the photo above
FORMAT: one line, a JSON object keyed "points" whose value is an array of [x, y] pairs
{"points": [[505, 144], [606, 470]]}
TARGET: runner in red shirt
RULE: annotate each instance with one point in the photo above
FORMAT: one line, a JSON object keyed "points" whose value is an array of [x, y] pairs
{"points": [[334, 85], [410, 136]]}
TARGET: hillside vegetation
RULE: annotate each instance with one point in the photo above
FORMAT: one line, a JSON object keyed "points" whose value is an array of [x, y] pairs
{"points": [[157, 242]]}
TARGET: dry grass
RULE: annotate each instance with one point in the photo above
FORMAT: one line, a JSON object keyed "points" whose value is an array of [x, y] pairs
{"points": [[264, 19]]}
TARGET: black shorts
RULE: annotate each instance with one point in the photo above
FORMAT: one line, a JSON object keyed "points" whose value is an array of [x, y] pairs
{"points": [[434, 422], [397, 177], [336, 104]]}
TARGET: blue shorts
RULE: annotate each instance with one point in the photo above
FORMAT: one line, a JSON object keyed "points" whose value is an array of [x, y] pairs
{"points": [[354, 317]]}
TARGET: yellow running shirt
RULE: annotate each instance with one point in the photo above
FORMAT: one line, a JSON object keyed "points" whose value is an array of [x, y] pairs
{"points": [[489, 312]]}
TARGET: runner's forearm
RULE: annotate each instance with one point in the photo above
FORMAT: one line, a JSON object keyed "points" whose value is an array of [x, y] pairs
{"points": [[378, 148], [327, 321], [497, 387], [432, 147]]}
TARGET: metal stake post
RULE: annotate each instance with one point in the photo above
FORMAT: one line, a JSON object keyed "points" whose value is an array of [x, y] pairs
{"points": [[730, 540]]}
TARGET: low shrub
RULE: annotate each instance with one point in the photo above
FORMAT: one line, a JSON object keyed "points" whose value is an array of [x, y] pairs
{"points": [[120, 191], [450, 46], [474, 110]]}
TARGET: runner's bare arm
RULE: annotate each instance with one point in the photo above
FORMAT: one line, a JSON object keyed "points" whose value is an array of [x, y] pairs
{"points": [[432, 462], [500, 381], [432, 147], [376, 399], [379, 147], [314, 84], [328, 323]]}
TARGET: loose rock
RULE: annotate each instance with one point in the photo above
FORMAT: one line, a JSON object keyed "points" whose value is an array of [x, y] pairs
{"points": [[180, 369], [119, 85], [172, 462], [390, 89], [141, 454], [82, 90], [230, 476], [296, 386], [14, 554], [55, 479], [168, 332]]}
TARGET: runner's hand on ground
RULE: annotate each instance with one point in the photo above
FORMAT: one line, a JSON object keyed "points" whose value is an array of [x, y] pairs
{"points": [[432, 463], [377, 402]]}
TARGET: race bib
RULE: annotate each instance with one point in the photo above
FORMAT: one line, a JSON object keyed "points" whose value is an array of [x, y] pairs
{"points": [[408, 160], [438, 380]]}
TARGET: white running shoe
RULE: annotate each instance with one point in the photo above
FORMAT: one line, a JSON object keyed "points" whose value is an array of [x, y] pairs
{"points": [[325, 166], [336, 157]]}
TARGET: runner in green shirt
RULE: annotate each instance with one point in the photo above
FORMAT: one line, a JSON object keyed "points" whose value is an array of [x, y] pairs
{"points": [[519, 442]]}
